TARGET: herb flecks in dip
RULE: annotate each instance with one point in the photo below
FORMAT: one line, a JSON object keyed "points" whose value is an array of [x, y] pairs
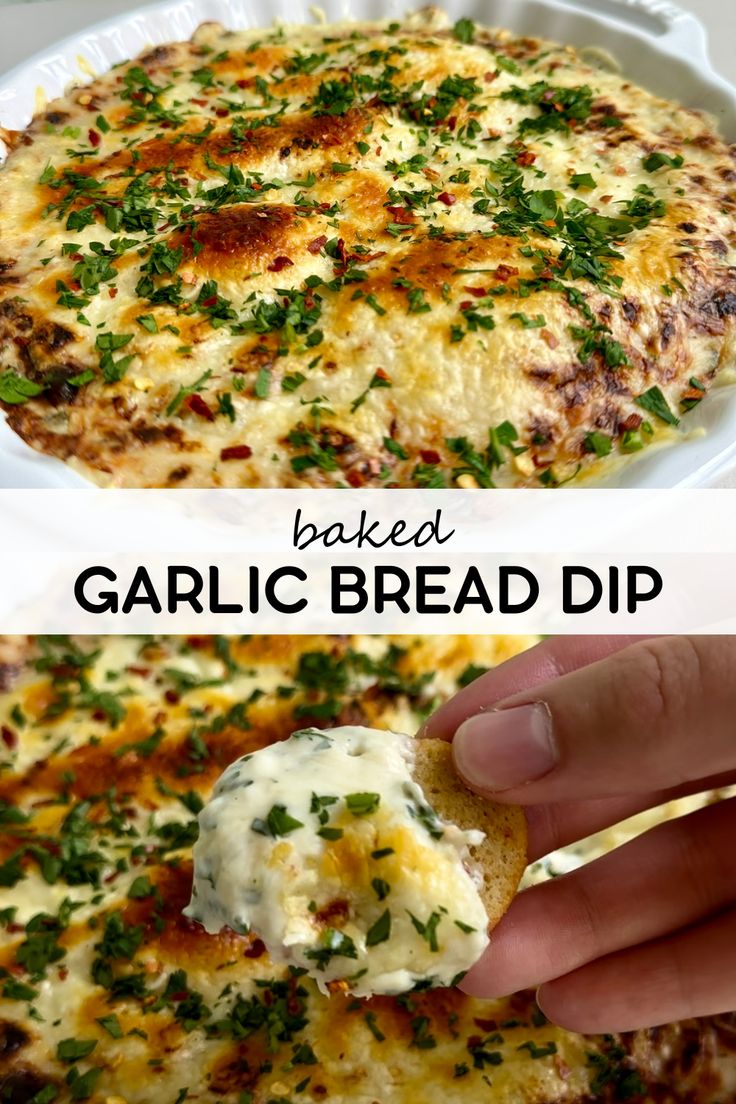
{"points": [[325, 846]]}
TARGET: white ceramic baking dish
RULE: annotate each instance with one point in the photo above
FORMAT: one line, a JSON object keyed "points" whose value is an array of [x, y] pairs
{"points": [[655, 43]]}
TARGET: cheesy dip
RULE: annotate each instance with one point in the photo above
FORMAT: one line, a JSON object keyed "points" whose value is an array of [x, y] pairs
{"points": [[404, 253], [326, 847], [108, 749]]}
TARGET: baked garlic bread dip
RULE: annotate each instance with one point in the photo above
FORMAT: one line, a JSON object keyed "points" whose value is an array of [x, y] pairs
{"points": [[404, 254], [326, 847], [109, 748]]}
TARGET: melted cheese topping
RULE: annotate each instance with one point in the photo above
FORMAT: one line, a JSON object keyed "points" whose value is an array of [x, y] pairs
{"points": [[369, 254], [325, 847]]}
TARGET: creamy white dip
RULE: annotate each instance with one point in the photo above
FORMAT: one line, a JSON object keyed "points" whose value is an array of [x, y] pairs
{"points": [[324, 845]]}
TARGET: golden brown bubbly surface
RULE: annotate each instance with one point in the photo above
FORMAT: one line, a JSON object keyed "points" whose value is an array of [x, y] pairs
{"points": [[107, 993], [384, 254]]}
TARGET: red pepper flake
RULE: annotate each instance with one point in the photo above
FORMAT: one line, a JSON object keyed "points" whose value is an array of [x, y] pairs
{"points": [[478, 292], [382, 374], [243, 82], [236, 452], [221, 112], [200, 103], [211, 301], [316, 244], [525, 157], [632, 422], [549, 338], [63, 973], [355, 478], [9, 737], [172, 697], [280, 262], [447, 198], [255, 950], [401, 215], [452, 122], [505, 272], [112, 292], [489, 77], [94, 137], [486, 1025], [429, 456], [142, 672], [197, 405], [62, 670]]}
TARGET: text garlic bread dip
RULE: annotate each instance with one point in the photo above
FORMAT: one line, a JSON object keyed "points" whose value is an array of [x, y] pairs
{"points": [[367, 254]]}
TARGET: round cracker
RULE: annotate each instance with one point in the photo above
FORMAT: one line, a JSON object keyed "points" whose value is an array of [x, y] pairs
{"points": [[501, 857]]}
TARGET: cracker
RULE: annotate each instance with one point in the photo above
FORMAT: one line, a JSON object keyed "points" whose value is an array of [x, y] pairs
{"points": [[501, 857]]}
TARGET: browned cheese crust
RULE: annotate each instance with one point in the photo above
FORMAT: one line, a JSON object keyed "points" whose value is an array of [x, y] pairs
{"points": [[362, 254], [107, 993]]}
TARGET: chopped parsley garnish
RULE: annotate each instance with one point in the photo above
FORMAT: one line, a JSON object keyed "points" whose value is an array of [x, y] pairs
{"points": [[371, 1022], [333, 944], [380, 931], [464, 30], [361, 804], [71, 1050], [654, 402], [559, 107], [277, 823], [582, 180], [546, 1050], [185, 392], [382, 852], [426, 816], [658, 160], [380, 887], [527, 323], [16, 389], [107, 345], [428, 929], [598, 443]]}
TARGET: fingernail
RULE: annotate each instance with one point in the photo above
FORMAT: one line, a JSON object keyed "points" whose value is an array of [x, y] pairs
{"points": [[506, 747]]}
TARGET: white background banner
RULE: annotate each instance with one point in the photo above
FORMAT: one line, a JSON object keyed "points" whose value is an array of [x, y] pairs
{"points": [[583, 561]]}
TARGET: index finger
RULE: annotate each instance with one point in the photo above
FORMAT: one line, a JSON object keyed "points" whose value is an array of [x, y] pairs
{"points": [[549, 660]]}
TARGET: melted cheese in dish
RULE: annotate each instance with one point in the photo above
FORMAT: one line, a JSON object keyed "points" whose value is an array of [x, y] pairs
{"points": [[327, 849], [391, 254], [109, 748]]}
